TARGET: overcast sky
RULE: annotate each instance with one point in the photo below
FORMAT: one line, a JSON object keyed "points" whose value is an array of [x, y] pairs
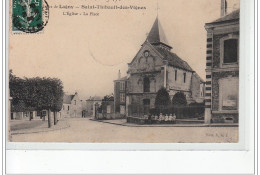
{"points": [[87, 52]]}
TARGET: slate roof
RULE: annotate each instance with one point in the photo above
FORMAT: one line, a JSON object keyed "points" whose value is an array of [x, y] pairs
{"points": [[67, 99], [156, 34], [197, 76], [173, 59], [155, 37], [123, 78], [95, 98], [235, 15]]}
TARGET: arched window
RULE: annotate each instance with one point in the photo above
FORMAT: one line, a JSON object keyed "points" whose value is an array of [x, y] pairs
{"points": [[146, 84]]}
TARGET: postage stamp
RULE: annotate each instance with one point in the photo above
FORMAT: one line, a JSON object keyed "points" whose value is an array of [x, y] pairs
{"points": [[29, 16]]}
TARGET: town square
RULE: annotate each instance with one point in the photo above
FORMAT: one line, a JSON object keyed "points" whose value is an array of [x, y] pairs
{"points": [[83, 130], [159, 94]]}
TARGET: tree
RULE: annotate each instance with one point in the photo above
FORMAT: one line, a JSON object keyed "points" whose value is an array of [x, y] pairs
{"points": [[37, 93], [162, 98], [108, 98], [179, 99], [58, 97], [47, 95], [19, 91]]}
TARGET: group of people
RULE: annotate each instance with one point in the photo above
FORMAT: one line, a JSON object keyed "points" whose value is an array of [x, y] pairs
{"points": [[162, 118]]}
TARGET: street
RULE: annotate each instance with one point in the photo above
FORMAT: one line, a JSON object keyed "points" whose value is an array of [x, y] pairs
{"points": [[86, 130]]}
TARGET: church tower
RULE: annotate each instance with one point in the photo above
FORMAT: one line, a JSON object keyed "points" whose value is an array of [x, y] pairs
{"points": [[156, 36]]}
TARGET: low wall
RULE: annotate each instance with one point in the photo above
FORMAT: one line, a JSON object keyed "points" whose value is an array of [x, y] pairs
{"points": [[224, 118], [142, 121], [111, 116]]}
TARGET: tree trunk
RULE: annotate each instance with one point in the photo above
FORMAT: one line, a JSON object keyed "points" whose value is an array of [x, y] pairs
{"points": [[29, 116], [49, 118], [55, 117], [42, 117]]}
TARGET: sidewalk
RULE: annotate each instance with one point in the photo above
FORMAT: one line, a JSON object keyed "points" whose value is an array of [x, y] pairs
{"points": [[122, 122], [36, 126]]}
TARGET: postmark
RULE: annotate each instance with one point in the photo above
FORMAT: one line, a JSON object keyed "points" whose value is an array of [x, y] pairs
{"points": [[29, 16]]}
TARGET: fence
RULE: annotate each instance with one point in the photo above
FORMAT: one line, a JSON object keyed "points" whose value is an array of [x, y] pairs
{"points": [[138, 110], [181, 112]]}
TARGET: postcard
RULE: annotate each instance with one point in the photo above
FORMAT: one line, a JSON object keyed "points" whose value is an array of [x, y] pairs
{"points": [[124, 71]]}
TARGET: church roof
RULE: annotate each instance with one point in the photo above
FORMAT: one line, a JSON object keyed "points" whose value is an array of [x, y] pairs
{"points": [[173, 59], [156, 34], [155, 38], [229, 17], [198, 77]]}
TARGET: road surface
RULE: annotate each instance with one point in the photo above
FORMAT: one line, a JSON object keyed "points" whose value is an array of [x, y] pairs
{"points": [[85, 130]]}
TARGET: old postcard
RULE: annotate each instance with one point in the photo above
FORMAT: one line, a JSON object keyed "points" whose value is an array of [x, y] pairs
{"points": [[124, 71]]}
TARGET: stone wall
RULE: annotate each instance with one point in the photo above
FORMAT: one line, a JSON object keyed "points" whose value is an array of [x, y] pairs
{"points": [[220, 118], [216, 76], [136, 82], [196, 89], [179, 83]]}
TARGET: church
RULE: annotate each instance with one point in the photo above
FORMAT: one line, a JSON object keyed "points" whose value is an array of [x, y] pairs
{"points": [[156, 66]]}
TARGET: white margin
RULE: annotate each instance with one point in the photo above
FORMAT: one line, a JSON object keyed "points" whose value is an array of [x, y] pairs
{"points": [[188, 162]]}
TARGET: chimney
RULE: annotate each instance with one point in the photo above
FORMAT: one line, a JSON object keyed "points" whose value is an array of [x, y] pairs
{"points": [[119, 74], [223, 8]]}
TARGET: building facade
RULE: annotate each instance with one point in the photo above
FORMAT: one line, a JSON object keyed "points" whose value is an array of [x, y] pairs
{"points": [[72, 106], [120, 87], [156, 66], [222, 67], [91, 104]]}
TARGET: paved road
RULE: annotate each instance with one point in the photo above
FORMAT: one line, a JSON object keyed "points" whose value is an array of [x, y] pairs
{"points": [[25, 124], [85, 130]]}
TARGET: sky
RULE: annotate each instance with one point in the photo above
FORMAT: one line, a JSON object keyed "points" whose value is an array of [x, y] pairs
{"points": [[87, 52]]}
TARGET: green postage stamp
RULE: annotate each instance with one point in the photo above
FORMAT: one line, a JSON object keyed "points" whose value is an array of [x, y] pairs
{"points": [[29, 16]]}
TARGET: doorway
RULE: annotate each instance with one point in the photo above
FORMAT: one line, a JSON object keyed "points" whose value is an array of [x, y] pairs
{"points": [[146, 103]]}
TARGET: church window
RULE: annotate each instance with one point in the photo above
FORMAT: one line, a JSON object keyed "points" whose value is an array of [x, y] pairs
{"points": [[146, 53], [146, 84], [68, 108], [175, 75], [184, 77], [230, 51]]}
